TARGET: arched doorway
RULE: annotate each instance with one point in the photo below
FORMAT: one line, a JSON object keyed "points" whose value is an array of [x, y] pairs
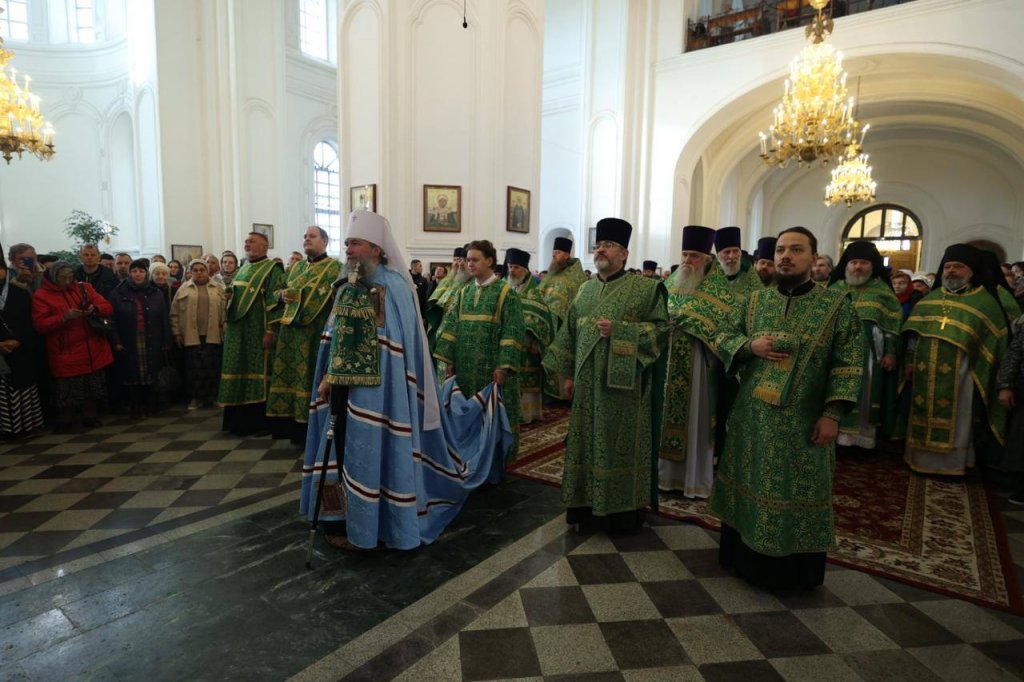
{"points": [[895, 230]]}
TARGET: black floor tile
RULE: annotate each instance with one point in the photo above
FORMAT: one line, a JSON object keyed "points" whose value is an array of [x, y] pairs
{"points": [[127, 458], [893, 665], [103, 500], [173, 483], [495, 654], [555, 606], [40, 542], [643, 644], [82, 485], [681, 598], [594, 569], [19, 522], [780, 634], [206, 455], [200, 498], [149, 468], [610, 676], [818, 598], [644, 541], [906, 625], [9, 503], [742, 671], [127, 518], [702, 563], [63, 470], [231, 468], [260, 481], [1009, 655]]}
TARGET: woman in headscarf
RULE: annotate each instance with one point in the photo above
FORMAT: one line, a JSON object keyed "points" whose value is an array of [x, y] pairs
{"points": [[177, 273], [78, 352], [197, 321], [21, 411], [141, 338], [161, 276]]}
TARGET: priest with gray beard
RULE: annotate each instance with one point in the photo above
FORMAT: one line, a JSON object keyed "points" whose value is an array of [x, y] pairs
{"points": [[540, 332], [705, 338]]}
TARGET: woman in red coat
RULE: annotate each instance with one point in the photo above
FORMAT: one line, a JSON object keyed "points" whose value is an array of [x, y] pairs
{"points": [[78, 353]]}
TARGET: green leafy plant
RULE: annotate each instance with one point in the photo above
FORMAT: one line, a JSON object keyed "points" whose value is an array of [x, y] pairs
{"points": [[69, 256], [82, 228]]}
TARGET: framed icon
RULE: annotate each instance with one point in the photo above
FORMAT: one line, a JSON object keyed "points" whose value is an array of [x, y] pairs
{"points": [[517, 212], [362, 198], [186, 253], [442, 208]]}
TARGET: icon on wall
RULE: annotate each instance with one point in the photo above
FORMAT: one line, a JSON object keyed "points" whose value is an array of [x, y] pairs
{"points": [[186, 253], [442, 208], [517, 217], [267, 231], [363, 198]]}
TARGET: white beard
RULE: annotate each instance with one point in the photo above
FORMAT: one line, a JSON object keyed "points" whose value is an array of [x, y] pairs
{"points": [[954, 283], [367, 268], [462, 276], [854, 280], [685, 282], [516, 282], [731, 270]]}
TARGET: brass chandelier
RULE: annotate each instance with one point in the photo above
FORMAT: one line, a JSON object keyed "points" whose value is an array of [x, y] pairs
{"points": [[815, 120], [851, 179], [22, 126]]}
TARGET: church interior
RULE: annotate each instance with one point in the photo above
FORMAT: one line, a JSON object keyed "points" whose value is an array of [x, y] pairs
{"points": [[152, 544]]}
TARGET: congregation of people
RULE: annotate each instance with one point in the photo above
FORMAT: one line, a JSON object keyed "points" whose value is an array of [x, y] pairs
{"points": [[730, 377]]}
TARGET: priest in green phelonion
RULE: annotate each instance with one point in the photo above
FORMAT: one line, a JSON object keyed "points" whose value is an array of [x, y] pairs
{"points": [[540, 332]]}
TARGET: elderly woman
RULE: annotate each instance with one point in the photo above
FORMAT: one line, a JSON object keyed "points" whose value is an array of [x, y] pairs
{"points": [[161, 276], [21, 411], [61, 311], [197, 322], [141, 337]]}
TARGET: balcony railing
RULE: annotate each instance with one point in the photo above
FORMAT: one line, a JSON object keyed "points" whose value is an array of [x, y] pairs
{"points": [[767, 16]]}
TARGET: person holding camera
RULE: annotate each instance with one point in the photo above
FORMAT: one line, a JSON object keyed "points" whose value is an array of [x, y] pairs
{"points": [[20, 409], [73, 316]]}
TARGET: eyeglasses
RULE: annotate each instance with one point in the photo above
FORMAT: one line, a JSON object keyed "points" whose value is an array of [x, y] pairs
{"points": [[607, 244]]}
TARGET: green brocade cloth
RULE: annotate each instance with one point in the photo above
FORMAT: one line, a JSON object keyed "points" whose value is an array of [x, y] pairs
{"points": [[540, 332], [298, 337], [774, 486], [560, 289], [741, 286], [617, 399], [355, 353], [484, 331], [950, 326], [245, 368], [710, 316], [877, 306]]}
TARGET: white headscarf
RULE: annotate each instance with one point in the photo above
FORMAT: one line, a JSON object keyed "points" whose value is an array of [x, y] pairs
{"points": [[376, 229]]}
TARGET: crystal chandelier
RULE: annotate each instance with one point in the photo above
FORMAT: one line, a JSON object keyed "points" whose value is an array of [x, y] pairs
{"points": [[22, 127], [815, 120], [851, 180]]}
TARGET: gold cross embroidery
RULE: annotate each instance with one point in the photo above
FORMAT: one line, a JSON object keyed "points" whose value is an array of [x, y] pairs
{"points": [[944, 320]]}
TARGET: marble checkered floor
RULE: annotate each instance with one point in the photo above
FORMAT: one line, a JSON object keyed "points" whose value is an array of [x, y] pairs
{"points": [[63, 497], [164, 550]]}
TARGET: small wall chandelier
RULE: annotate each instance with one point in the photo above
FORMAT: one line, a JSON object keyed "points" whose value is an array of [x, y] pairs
{"points": [[851, 180], [815, 120], [22, 127]]}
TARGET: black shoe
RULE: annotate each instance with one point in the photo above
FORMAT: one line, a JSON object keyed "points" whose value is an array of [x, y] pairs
{"points": [[1017, 498]]}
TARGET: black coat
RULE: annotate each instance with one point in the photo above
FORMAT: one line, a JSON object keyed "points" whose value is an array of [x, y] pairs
{"points": [[17, 322], [157, 329]]}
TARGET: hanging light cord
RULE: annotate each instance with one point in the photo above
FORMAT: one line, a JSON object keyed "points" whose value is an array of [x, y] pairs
{"points": [[465, 24]]}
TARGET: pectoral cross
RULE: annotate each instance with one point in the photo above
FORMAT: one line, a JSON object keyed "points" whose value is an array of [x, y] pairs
{"points": [[944, 320]]}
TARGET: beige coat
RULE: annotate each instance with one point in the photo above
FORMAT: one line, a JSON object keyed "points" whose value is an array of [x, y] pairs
{"points": [[184, 308]]}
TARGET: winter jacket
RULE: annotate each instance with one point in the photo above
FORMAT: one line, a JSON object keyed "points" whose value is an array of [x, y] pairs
{"points": [[74, 348], [157, 331], [184, 308], [16, 323]]}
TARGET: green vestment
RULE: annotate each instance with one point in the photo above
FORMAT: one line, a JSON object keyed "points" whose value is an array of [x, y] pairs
{"points": [[612, 427], [484, 331], [250, 314], [743, 284], [540, 332], [881, 316], [774, 486], [953, 328], [710, 316], [299, 330], [559, 289]]}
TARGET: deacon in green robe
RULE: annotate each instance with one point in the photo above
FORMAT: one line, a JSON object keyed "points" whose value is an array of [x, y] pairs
{"points": [[249, 339], [564, 277], [441, 301], [799, 373], [482, 336], [704, 340], [303, 308], [955, 338], [611, 348], [540, 332], [861, 273]]}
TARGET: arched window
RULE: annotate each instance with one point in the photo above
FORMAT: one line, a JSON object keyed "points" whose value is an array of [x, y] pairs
{"points": [[894, 230], [14, 19], [327, 193]]}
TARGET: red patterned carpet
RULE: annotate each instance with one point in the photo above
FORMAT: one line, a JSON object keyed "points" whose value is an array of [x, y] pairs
{"points": [[940, 534]]}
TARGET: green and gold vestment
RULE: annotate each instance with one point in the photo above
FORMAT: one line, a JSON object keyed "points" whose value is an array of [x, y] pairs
{"points": [[952, 328], [540, 332], [609, 452], [710, 316], [878, 309], [774, 486], [299, 329], [250, 314], [484, 331], [559, 289]]}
